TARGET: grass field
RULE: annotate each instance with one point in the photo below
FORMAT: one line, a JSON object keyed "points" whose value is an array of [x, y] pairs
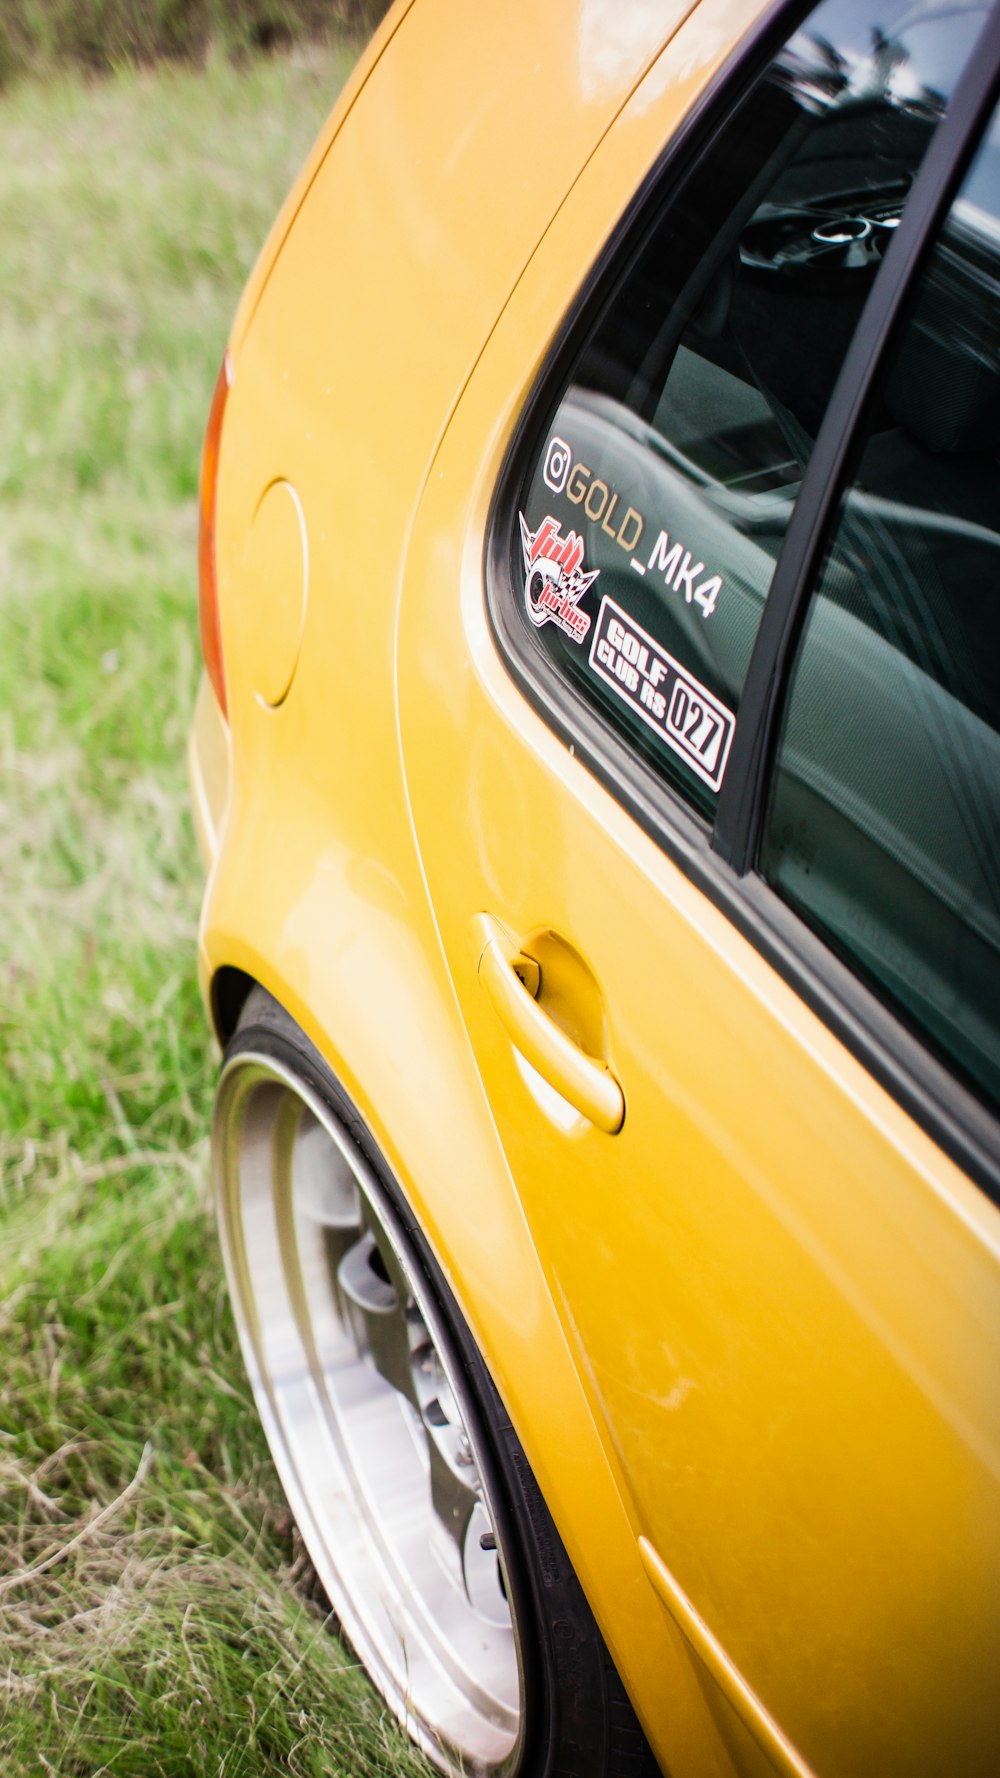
{"points": [[155, 1609], [101, 35]]}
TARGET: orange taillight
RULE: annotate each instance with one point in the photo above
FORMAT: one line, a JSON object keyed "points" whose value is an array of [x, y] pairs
{"points": [[208, 591]]}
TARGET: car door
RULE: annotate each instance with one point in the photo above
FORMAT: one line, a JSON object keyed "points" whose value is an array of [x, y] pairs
{"points": [[757, 1168]]}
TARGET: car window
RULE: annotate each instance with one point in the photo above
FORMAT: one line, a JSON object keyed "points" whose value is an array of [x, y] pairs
{"points": [[653, 507], [884, 820]]}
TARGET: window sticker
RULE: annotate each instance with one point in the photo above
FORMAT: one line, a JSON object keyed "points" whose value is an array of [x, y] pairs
{"points": [[554, 577], [686, 717], [680, 571], [566, 474], [558, 463]]}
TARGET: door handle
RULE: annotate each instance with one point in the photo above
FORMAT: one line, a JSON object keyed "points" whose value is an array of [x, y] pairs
{"points": [[511, 981]]}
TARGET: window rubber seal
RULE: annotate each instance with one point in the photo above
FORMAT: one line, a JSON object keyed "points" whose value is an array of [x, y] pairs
{"points": [[903, 1063]]}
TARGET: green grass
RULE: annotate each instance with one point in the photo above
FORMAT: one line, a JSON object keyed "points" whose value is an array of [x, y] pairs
{"points": [[157, 1615], [107, 34]]}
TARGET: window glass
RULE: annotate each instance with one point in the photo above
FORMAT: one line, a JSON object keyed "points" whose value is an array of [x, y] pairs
{"points": [[884, 822], [654, 507]]}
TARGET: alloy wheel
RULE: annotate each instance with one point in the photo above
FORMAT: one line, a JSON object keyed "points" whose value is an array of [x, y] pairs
{"points": [[371, 1422]]}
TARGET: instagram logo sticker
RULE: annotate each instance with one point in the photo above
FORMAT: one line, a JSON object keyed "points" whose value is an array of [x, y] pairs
{"points": [[558, 462]]}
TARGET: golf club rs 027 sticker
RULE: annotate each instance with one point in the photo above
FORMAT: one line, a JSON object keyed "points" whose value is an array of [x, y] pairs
{"points": [[681, 713]]}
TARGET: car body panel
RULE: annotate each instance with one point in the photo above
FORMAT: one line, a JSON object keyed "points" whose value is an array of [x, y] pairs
{"points": [[315, 886], [311, 166], [209, 772], [784, 1298], [764, 1318]]}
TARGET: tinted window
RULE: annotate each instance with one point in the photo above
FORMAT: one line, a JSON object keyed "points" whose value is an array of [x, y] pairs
{"points": [[656, 503], [884, 824]]}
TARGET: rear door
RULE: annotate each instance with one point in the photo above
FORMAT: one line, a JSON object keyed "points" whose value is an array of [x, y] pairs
{"points": [[751, 1114]]}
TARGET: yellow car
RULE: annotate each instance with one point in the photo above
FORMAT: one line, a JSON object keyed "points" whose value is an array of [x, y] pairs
{"points": [[598, 777]]}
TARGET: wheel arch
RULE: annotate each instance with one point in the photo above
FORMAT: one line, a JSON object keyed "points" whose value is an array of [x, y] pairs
{"points": [[229, 991]]}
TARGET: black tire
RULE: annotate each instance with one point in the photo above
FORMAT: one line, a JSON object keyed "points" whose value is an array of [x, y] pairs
{"points": [[575, 1718]]}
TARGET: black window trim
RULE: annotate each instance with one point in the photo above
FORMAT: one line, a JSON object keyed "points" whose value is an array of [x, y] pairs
{"points": [[720, 859]]}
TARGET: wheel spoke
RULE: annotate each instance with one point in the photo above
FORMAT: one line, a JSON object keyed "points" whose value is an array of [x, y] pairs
{"points": [[455, 1485], [376, 1315]]}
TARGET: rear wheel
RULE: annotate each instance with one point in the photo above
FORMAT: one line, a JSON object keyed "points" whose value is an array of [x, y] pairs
{"points": [[412, 1493]]}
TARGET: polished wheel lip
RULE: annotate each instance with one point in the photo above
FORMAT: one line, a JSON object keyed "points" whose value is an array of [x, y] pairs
{"points": [[383, 1627]]}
